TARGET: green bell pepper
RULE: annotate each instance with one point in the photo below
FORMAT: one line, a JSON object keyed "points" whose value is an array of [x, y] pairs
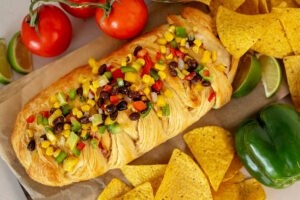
{"points": [[270, 146]]}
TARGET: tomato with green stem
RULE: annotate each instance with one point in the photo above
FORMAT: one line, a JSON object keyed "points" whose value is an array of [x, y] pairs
{"points": [[81, 12]]}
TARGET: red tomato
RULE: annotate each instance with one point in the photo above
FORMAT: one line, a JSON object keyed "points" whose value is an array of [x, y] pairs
{"points": [[84, 12], [55, 32], [125, 20]]}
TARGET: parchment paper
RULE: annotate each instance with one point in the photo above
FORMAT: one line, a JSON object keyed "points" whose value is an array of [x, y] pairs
{"points": [[15, 95]]}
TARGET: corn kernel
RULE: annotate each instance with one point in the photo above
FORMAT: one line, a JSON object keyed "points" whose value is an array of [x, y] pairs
{"points": [[171, 29], [79, 114], [108, 121], [74, 111], [195, 49], [182, 42], [198, 87], [85, 126], [146, 91], [186, 58], [91, 102], [123, 63], [140, 61], [92, 62], [56, 105], [130, 106], [129, 58], [67, 126], [45, 144], [206, 57], [96, 84], [83, 133], [162, 41], [169, 36], [183, 50], [161, 102], [49, 151], [56, 153], [80, 79], [152, 81], [93, 88], [30, 133], [134, 87], [163, 49], [159, 113], [51, 137], [131, 77], [146, 78], [159, 67], [197, 42], [169, 57], [94, 128], [136, 66], [66, 133], [53, 99], [94, 65], [162, 75], [178, 39], [176, 59], [85, 108], [221, 68], [195, 28], [214, 56], [168, 93], [144, 98], [186, 66], [185, 72], [120, 96]]}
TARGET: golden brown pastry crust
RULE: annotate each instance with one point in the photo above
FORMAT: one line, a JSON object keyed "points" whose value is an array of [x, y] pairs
{"points": [[138, 137]]}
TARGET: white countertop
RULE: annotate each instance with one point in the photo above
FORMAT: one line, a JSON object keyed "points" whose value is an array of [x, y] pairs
{"points": [[12, 13]]}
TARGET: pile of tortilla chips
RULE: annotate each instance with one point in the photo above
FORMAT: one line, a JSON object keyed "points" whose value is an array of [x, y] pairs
{"points": [[216, 177]]}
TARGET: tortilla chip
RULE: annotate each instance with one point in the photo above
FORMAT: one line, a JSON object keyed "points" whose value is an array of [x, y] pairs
{"points": [[263, 6], [290, 19], [298, 2], [237, 178], [183, 180], [292, 68], [141, 192], [114, 189], [230, 4], [213, 148], [239, 32], [251, 189], [274, 42], [228, 191], [249, 7], [234, 168], [283, 4], [207, 2], [138, 174]]}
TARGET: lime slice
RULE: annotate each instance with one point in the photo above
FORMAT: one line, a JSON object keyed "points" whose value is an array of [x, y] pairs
{"points": [[18, 55], [271, 74], [247, 76], [5, 70]]}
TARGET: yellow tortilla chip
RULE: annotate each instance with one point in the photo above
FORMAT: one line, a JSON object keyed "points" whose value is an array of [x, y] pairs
{"points": [[114, 189], [141, 192], [207, 2], [283, 4], [183, 180], [234, 168], [251, 189], [298, 2], [249, 7], [292, 68], [237, 178], [263, 6], [228, 191], [239, 32], [274, 42], [290, 19], [138, 174], [213, 148], [230, 4]]}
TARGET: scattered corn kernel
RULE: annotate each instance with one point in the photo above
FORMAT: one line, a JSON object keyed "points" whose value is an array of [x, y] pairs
{"points": [[108, 121], [171, 28], [93, 88], [169, 36], [198, 87], [185, 72], [49, 151], [163, 49], [94, 65], [79, 114], [140, 61], [186, 58], [130, 106], [162, 41], [182, 42], [56, 153], [96, 84], [221, 68], [159, 113], [131, 77], [195, 49], [183, 50], [197, 42], [134, 87], [80, 79], [83, 133], [169, 57], [56, 105], [136, 66], [129, 58], [152, 81], [178, 39], [195, 29], [162, 75], [168, 93], [147, 91], [53, 99], [146, 78], [66, 133], [159, 67], [69, 163], [91, 102], [51, 137], [94, 128], [45, 144], [206, 57], [214, 56], [85, 108], [123, 63], [161, 102], [144, 98], [67, 126], [30, 133], [175, 59], [85, 126], [74, 111]]}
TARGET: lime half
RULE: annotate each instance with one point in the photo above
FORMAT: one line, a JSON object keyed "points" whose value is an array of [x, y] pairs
{"points": [[247, 76], [5, 70], [18, 55], [271, 74]]}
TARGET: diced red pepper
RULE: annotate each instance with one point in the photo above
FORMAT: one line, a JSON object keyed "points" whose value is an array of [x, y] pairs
{"points": [[80, 145], [158, 85], [179, 54], [30, 119], [68, 119], [142, 53], [100, 145], [173, 51], [108, 69], [206, 73], [158, 55], [190, 76], [118, 74], [107, 88], [103, 107], [114, 99], [45, 113], [148, 65], [139, 105], [211, 96]]}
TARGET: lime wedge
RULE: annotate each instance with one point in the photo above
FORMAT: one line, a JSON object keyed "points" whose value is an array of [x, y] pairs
{"points": [[271, 74], [18, 55], [5, 70], [247, 76]]}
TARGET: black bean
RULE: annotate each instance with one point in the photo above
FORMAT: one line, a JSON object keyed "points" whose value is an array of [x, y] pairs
{"points": [[196, 79], [124, 90], [102, 69], [134, 116], [79, 91], [144, 111], [58, 128], [114, 115], [154, 90], [84, 120], [31, 145], [52, 110], [111, 108], [173, 65], [44, 137], [127, 84], [173, 73], [100, 102], [104, 95], [134, 95], [114, 91], [104, 117], [190, 69], [58, 120], [191, 42], [205, 83], [136, 50], [192, 63], [122, 106]]}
